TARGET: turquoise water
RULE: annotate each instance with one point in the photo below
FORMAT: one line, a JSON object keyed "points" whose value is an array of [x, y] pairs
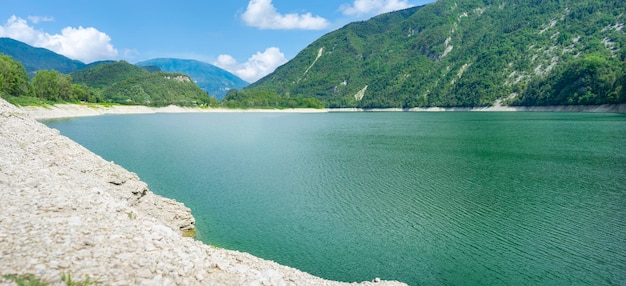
{"points": [[424, 198]]}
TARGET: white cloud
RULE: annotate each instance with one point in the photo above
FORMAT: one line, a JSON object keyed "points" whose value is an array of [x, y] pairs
{"points": [[84, 44], [130, 53], [262, 14], [37, 19], [257, 66], [369, 7]]}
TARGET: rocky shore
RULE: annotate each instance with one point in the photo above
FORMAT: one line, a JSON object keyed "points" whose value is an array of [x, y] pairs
{"points": [[65, 210], [605, 108], [78, 110]]}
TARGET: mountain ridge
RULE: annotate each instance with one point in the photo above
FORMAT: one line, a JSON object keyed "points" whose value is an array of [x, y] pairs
{"points": [[122, 82], [465, 53], [214, 80], [34, 59]]}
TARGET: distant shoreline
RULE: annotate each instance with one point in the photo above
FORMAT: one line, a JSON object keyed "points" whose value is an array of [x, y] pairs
{"points": [[605, 108], [59, 111]]}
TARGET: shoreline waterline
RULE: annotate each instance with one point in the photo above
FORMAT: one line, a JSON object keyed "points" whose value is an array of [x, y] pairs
{"points": [[604, 108], [59, 111]]}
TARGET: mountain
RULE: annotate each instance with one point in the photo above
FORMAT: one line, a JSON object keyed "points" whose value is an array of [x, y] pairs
{"points": [[34, 59], [107, 73], [466, 53], [121, 82], [214, 80]]}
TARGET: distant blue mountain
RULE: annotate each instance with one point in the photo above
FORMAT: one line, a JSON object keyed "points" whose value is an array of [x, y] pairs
{"points": [[212, 79], [34, 59]]}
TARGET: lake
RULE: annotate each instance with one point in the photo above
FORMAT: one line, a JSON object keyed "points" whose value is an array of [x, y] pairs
{"points": [[450, 198]]}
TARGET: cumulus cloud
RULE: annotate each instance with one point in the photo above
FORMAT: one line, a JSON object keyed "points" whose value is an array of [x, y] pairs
{"points": [[257, 66], [83, 44], [262, 14], [369, 7]]}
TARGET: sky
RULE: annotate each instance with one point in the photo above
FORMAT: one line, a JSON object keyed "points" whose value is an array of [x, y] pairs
{"points": [[249, 38]]}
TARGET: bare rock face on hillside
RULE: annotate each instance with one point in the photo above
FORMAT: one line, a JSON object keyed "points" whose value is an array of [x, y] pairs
{"points": [[65, 210]]}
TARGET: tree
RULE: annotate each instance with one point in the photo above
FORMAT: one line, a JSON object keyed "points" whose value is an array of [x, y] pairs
{"points": [[52, 86], [266, 99], [588, 80], [13, 77]]}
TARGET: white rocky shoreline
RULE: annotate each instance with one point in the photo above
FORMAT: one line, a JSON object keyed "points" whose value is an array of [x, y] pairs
{"points": [[65, 210], [79, 110]]}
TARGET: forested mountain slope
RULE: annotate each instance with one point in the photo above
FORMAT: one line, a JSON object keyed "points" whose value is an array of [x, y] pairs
{"points": [[122, 82], [105, 82], [212, 79], [34, 59], [466, 53]]}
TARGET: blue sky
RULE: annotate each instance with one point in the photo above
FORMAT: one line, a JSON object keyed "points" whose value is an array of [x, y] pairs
{"points": [[247, 37]]}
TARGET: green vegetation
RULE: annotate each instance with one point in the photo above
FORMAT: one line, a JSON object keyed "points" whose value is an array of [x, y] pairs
{"points": [[99, 75], [105, 83], [244, 99], [45, 87], [208, 77], [34, 59], [67, 278], [25, 280], [105, 74], [13, 77], [587, 80], [124, 83], [466, 53], [31, 280], [55, 87], [447, 53]]}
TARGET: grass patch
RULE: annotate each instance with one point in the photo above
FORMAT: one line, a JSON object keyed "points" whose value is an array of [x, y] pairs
{"points": [[100, 104], [69, 282], [31, 280], [25, 280], [131, 215], [26, 101]]}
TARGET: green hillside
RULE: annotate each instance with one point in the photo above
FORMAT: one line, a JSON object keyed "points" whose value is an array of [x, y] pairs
{"points": [[466, 53], [212, 79], [105, 74], [121, 82], [34, 59], [158, 89], [106, 82]]}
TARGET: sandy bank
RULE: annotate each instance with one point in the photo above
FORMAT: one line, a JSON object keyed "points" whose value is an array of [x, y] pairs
{"points": [[79, 110], [67, 210]]}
